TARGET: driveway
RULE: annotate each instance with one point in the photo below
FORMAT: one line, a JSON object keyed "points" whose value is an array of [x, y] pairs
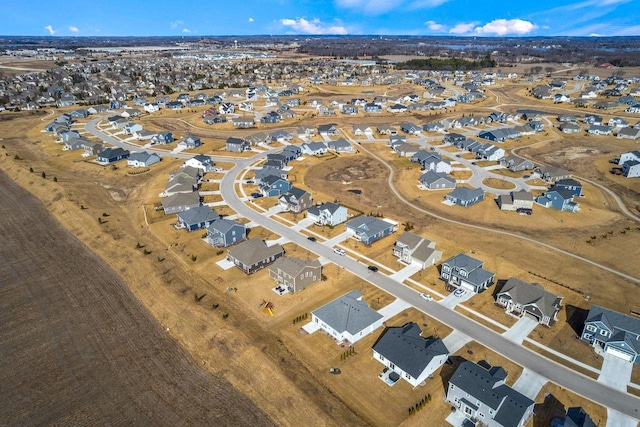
{"points": [[406, 272], [450, 301], [529, 383], [393, 309], [338, 239], [616, 419], [523, 327], [455, 341], [615, 372]]}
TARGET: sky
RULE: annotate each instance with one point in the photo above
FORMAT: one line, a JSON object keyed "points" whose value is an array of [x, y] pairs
{"points": [[329, 17]]}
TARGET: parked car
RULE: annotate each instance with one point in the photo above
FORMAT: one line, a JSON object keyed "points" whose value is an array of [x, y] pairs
{"points": [[459, 292], [340, 251], [426, 296], [311, 239], [256, 195], [372, 268], [250, 181]]}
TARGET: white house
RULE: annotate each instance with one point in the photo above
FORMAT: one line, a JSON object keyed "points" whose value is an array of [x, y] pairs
{"points": [[142, 159], [327, 214], [200, 161]]}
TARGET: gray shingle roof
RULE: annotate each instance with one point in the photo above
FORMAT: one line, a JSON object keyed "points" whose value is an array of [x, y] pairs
{"points": [[198, 214], [405, 348], [368, 225], [525, 293], [349, 313], [254, 250], [294, 266], [223, 225]]}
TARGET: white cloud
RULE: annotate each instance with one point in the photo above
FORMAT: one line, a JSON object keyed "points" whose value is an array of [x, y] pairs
{"points": [[50, 29], [595, 35], [501, 27], [175, 24], [315, 26], [250, 19], [463, 28], [73, 29], [378, 7], [434, 26], [423, 4], [186, 30]]}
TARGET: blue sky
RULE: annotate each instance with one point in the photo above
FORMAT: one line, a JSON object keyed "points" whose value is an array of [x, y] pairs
{"points": [[385, 17]]}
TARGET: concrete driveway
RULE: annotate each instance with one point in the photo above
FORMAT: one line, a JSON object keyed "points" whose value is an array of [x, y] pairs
{"points": [[615, 372], [616, 419], [529, 383], [406, 272], [338, 239], [450, 301], [455, 340], [523, 327], [393, 309]]}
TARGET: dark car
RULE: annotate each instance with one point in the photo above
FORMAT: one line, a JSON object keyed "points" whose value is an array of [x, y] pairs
{"points": [[250, 181], [373, 268], [256, 195], [311, 239]]}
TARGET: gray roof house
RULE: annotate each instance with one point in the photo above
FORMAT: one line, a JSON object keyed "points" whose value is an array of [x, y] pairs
{"points": [[464, 196], [347, 318], [481, 395], [413, 249], [462, 271], [327, 214], [295, 200], [551, 173], [515, 200], [577, 417], [295, 274], [613, 333], [200, 161], [369, 229], [341, 145], [521, 298], [180, 202], [254, 254], [516, 164], [314, 148], [190, 142], [197, 217], [404, 351], [224, 232], [142, 159], [236, 145], [437, 181]]}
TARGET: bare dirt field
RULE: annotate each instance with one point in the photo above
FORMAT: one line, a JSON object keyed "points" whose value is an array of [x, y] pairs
{"points": [[78, 348]]}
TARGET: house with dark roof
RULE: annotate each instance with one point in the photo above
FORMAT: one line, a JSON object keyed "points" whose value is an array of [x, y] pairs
{"points": [[481, 395], [295, 274], [200, 161], [224, 232], [413, 249], [266, 171], [314, 148], [180, 202], [630, 162], [197, 217], [328, 213], [111, 155], [559, 199], [328, 130], [464, 196], [551, 173], [142, 159], [341, 145], [254, 254], [463, 271], [369, 229], [274, 186], [236, 145], [577, 417], [190, 142], [431, 180], [295, 200], [613, 333], [413, 358], [453, 138], [410, 128], [521, 298], [570, 185], [347, 318]]}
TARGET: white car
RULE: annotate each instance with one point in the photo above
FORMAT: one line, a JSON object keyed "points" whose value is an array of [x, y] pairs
{"points": [[459, 292], [426, 296], [340, 251]]}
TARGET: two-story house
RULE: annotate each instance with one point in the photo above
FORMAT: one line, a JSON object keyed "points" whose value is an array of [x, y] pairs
{"points": [[328, 213], [463, 271], [295, 274], [254, 254], [413, 249], [224, 232], [613, 333], [295, 200], [369, 229]]}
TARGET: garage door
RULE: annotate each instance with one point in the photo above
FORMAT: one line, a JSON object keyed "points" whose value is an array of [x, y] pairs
{"points": [[620, 354], [467, 287]]}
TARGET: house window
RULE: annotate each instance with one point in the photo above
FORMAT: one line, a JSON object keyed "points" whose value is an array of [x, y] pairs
{"points": [[451, 386], [604, 333], [587, 336], [481, 414], [446, 268], [591, 328], [468, 410], [490, 411]]}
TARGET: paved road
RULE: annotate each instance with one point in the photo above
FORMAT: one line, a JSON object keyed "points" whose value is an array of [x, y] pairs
{"points": [[564, 377]]}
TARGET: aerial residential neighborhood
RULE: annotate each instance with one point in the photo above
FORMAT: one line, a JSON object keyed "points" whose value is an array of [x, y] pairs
{"points": [[335, 230]]}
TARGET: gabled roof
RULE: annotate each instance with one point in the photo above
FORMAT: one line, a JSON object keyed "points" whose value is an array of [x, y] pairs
{"points": [[349, 313], [294, 266], [198, 214], [430, 177], [368, 225], [613, 320], [525, 293], [254, 250], [329, 207], [181, 199], [223, 225], [405, 348], [464, 193]]}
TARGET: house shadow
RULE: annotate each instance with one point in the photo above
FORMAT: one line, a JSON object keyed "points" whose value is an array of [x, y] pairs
{"points": [[547, 411], [576, 317], [498, 288], [447, 370]]}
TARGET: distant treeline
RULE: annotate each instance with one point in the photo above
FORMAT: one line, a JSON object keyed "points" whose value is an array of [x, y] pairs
{"points": [[445, 64]]}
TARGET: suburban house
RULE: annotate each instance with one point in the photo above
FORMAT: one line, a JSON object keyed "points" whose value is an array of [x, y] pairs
{"points": [[295, 200], [551, 173], [413, 249], [521, 298], [274, 186], [629, 133], [453, 138], [515, 200], [180, 183], [480, 394], [142, 159], [295, 274], [464, 196], [111, 155], [340, 145], [369, 229], [437, 181], [190, 142], [162, 138], [253, 254], [413, 358], [347, 318], [462, 271], [614, 333], [569, 184], [236, 145], [516, 164], [569, 127], [577, 417], [559, 199], [180, 202], [200, 161], [314, 148], [197, 217], [223, 232], [328, 213], [243, 122], [328, 130], [410, 128], [630, 163]]}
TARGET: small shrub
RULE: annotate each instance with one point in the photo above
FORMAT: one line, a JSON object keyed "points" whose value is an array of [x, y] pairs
{"points": [[160, 259], [146, 252], [16, 157], [220, 252], [55, 179], [44, 175], [225, 315], [194, 258], [199, 298], [105, 214], [138, 245], [31, 170], [215, 305]]}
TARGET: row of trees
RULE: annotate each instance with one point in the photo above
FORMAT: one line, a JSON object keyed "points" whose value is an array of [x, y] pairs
{"points": [[446, 64]]}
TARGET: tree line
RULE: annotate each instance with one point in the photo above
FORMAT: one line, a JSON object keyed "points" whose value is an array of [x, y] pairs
{"points": [[446, 64]]}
